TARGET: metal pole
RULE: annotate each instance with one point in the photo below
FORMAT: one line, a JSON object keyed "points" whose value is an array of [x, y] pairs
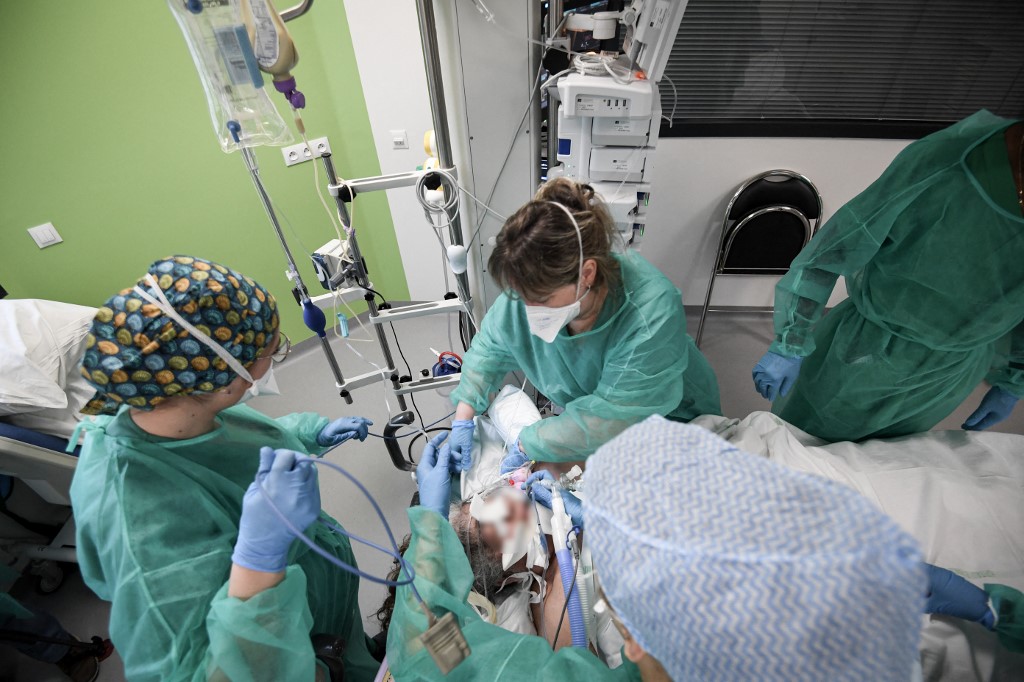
{"points": [[254, 173], [555, 12], [439, 112], [293, 272], [361, 277]]}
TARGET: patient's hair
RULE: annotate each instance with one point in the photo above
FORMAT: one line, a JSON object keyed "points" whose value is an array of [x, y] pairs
{"points": [[484, 561], [537, 250], [387, 609]]}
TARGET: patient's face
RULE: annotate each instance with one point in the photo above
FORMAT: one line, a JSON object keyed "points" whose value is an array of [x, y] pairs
{"points": [[517, 511]]}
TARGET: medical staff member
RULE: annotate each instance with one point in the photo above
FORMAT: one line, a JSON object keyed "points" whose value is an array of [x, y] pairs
{"points": [[933, 256], [602, 334], [204, 580], [719, 565]]}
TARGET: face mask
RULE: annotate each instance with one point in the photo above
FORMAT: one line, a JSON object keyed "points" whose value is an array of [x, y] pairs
{"points": [[265, 385], [545, 322]]}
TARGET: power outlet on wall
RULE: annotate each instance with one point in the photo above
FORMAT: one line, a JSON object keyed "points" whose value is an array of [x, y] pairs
{"points": [[297, 153]]}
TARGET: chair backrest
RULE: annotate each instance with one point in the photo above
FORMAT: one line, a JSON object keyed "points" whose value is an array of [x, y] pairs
{"points": [[770, 218]]}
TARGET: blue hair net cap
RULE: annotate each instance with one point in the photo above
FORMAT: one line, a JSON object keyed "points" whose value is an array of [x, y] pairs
{"points": [[726, 566]]}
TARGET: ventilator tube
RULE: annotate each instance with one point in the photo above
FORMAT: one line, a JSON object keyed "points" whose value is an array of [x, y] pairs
{"points": [[561, 527]]}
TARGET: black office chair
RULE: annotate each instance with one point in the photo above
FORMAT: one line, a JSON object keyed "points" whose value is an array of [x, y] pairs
{"points": [[770, 218]]}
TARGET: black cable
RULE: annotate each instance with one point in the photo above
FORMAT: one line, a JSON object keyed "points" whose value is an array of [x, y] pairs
{"points": [[565, 606], [408, 450], [398, 345], [408, 369]]}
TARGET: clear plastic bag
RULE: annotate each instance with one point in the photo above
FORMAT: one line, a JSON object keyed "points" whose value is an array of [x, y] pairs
{"points": [[231, 76]]}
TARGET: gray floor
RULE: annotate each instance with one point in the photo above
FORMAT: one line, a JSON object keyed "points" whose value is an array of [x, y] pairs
{"points": [[733, 343]]}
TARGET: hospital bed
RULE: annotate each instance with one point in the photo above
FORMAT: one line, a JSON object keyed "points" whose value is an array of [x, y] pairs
{"points": [[41, 343]]}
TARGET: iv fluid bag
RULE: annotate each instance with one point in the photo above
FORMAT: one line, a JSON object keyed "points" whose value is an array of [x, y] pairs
{"points": [[230, 73]]}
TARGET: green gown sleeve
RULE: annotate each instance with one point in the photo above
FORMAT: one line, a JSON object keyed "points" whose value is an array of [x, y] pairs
{"points": [[305, 426], [266, 637], [847, 242], [1008, 370], [486, 363], [1009, 606], [444, 579], [642, 376]]}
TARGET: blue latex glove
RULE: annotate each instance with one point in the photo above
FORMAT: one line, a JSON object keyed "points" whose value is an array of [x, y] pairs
{"points": [[341, 430], [996, 406], [434, 477], [515, 459], [774, 375], [951, 595], [290, 481], [461, 442], [573, 505]]}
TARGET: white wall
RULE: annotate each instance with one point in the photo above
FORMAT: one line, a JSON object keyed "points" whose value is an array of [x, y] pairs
{"points": [[386, 39], [694, 178]]}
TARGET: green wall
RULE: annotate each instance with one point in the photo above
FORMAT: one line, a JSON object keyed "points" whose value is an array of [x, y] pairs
{"points": [[106, 134]]}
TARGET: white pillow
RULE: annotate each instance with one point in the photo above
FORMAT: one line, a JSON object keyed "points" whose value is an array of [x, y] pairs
{"points": [[41, 345]]}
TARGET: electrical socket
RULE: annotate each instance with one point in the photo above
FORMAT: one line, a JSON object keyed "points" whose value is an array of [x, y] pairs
{"points": [[297, 153]]}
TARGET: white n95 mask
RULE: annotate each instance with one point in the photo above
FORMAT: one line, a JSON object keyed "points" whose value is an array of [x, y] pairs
{"points": [[545, 322]]}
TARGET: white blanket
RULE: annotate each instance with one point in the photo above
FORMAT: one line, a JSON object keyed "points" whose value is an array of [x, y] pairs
{"points": [[961, 494]]}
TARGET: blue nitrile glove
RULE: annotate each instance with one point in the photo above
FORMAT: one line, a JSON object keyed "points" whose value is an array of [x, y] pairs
{"points": [[290, 481], [515, 459], [341, 430], [774, 375], [996, 406], [434, 477], [542, 494], [951, 595], [461, 442]]}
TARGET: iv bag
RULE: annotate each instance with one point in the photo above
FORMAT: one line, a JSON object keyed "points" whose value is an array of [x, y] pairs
{"points": [[231, 76]]}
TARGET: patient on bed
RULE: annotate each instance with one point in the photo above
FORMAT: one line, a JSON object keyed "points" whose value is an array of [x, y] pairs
{"points": [[515, 567]]}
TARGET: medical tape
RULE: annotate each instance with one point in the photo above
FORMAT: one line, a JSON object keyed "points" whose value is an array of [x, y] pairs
{"points": [[165, 305]]}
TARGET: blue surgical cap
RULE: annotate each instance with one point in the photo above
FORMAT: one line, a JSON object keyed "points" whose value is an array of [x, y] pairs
{"points": [[726, 566]]}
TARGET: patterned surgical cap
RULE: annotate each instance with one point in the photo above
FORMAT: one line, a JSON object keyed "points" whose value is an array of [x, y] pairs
{"points": [[139, 356]]}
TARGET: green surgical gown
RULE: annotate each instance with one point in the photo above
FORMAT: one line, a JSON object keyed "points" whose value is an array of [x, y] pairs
{"points": [[444, 580], [934, 265], [157, 521], [637, 361]]}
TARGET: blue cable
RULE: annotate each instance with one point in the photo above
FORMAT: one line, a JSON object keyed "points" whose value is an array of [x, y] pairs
{"points": [[394, 553]]}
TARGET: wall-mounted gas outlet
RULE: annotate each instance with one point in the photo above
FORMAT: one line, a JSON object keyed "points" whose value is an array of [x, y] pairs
{"points": [[297, 153]]}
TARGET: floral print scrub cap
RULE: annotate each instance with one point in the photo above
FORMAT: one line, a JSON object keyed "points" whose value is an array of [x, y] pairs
{"points": [[138, 354]]}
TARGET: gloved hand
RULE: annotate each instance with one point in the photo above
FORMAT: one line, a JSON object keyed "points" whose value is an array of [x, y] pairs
{"points": [[461, 442], [774, 375], [513, 460], [341, 430], [434, 477], [995, 407], [573, 505], [951, 595], [290, 481]]}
